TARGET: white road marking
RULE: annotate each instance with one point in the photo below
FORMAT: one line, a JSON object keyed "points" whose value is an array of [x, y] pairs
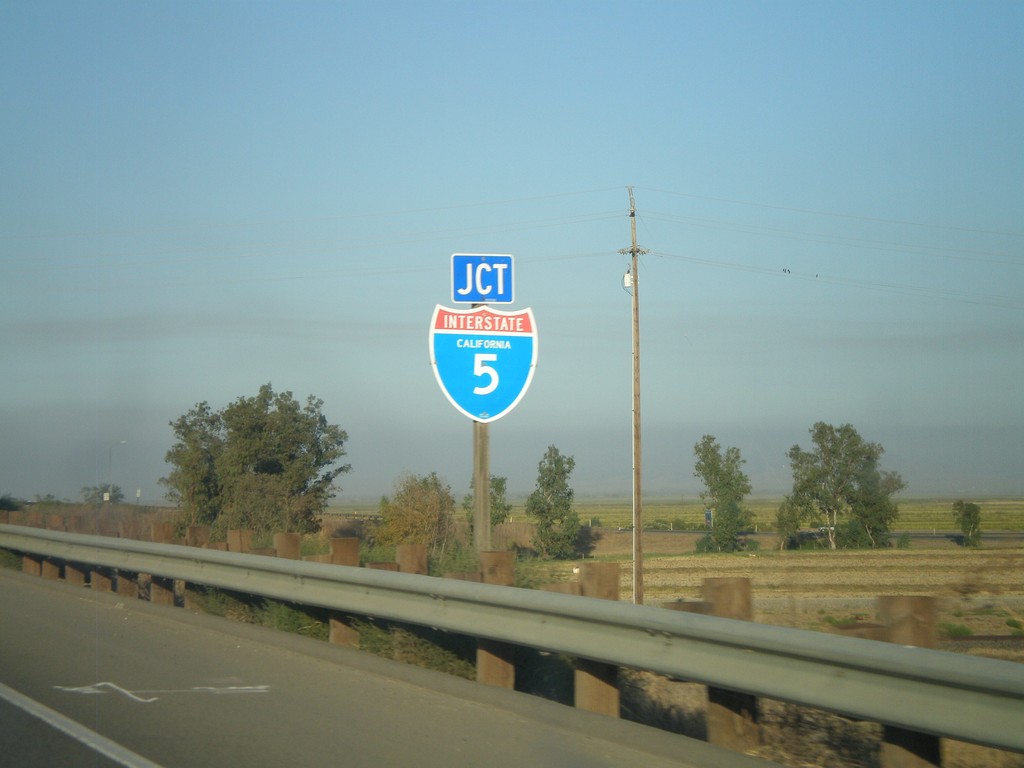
{"points": [[103, 687], [95, 688], [101, 744]]}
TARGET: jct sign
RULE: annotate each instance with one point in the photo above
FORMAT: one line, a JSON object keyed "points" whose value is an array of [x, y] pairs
{"points": [[482, 278], [483, 358]]}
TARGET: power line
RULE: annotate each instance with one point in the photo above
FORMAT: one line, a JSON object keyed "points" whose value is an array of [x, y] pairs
{"points": [[835, 239], [967, 297]]}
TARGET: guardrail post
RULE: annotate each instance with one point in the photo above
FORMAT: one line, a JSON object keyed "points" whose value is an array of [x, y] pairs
{"points": [[162, 533], [496, 661], [197, 536], [288, 546], [345, 551], [411, 558], [161, 590], [32, 565], [597, 683], [76, 574], [563, 588], [239, 540], [909, 620], [689, 606], [127, 585], [50, 569], [732, 717], [101, 580]]}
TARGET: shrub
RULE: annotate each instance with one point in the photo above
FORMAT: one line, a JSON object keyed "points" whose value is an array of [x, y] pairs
{"points": [[953, 631], [706, 544]]}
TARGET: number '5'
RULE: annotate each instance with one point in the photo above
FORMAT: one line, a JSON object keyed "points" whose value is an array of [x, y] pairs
{"points": [[479, 369]]}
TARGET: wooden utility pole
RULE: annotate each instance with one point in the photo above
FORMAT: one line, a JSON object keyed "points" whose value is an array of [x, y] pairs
{"points": [[638, 550]]}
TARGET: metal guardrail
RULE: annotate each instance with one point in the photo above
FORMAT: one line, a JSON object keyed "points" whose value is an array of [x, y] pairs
{"points": [[935, 692]]}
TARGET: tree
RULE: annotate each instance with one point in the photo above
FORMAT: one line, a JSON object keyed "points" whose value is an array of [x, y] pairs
{"points": [[787, 523], [725, 485], [550, 504], [193, 483], [872, 510], [421, 511], [10, 504], [499, 506], [96, 494], [968, 516], [264, 462], [838, 482]]}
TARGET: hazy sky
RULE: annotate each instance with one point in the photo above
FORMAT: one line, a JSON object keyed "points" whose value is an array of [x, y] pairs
{"points": [[199, 198]]}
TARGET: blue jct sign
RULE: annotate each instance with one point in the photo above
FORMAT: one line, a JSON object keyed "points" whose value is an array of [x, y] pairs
{"points": [[482, 278], [483, 358]]}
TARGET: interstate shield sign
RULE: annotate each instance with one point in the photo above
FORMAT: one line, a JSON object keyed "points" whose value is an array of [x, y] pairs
{"points": [[483, 358]]}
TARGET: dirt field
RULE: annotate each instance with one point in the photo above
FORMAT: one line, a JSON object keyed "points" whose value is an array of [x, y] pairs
{"points": [[980, 592]]}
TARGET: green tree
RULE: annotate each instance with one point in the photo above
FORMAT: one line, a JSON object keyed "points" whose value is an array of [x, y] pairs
{"points": [[788, 519], [193, 483], [872, 510], [266, 462], [421, 511], [500, 508], [725, 486], [550, 505], [94, 494], [838, 485], [967, 515]]}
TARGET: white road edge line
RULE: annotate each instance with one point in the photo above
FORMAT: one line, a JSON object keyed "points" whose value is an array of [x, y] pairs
{"points": [[77, 731]]}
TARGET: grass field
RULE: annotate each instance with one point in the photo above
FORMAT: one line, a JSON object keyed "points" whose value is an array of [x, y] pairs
{"points": [[683, 514]]}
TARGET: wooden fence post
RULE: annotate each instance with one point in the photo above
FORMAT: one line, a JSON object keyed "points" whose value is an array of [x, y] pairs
{"points": [[909, 620], [496, 661], [732, 717], [597, 683]]}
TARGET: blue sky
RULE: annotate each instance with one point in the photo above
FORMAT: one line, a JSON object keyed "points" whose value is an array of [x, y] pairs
{"points": [[200, 198]]}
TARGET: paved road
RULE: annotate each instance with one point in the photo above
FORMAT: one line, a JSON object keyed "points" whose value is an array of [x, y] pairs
{"points": [[177, 689]]}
